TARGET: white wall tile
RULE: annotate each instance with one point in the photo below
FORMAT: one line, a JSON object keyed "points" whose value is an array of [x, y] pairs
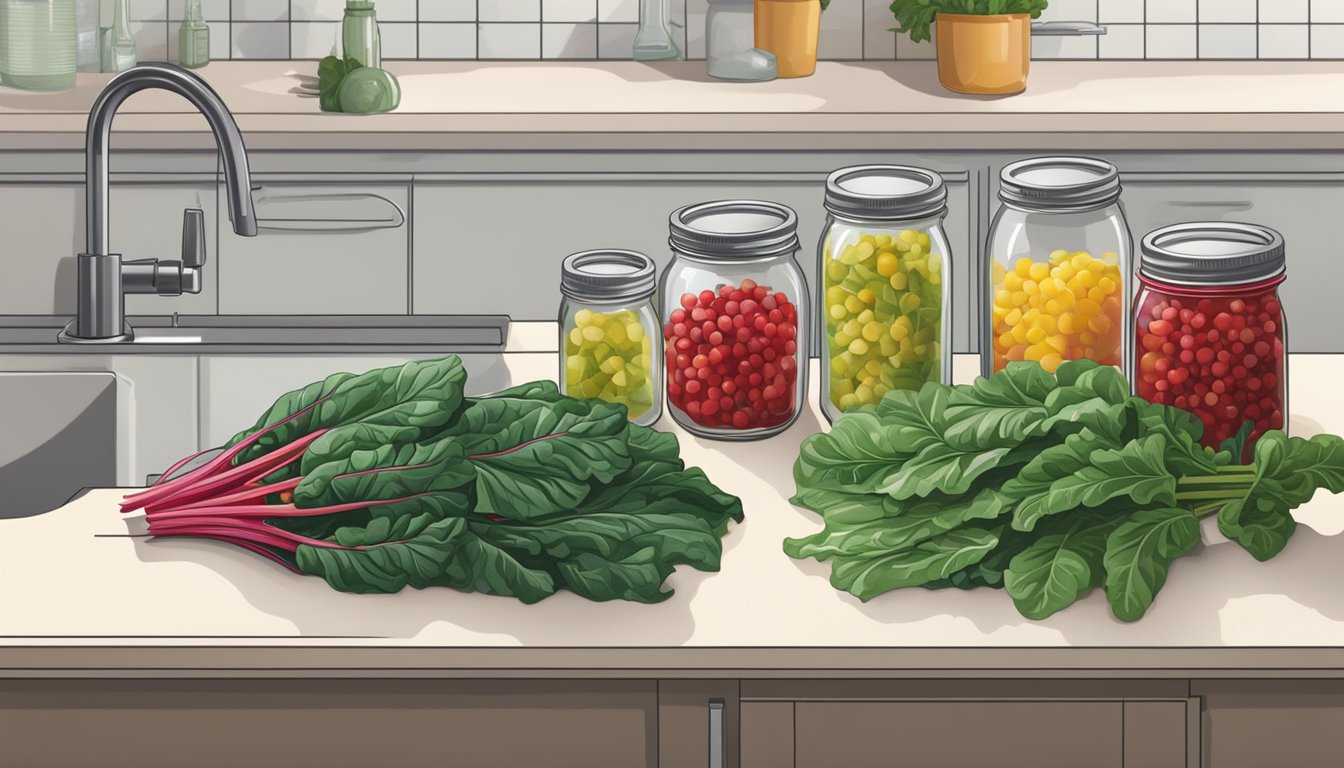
{"points": [[1171, 41], [1327, 41], [260, 40], [148, 10], [448, 10], [696, 11], [1284, 11], [314, 39], [1120, 12], [569, 41], [570, 10], [398, 40], [1171, 11], [260, 10], [1060, 47], [879, 42], [618, 11], [841, 32], [926, 50], [447, 41], [1070, 10], [151, 40], [508, 10], [220, 49], [1327, 12], [508, 41], [212, 10], [1227, 11], [1284, 41], [317, 10], [1227, 41], [397, 10], [616, 41], [1121, 41]]}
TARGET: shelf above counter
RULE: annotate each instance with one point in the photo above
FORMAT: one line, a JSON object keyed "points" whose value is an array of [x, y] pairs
{"points": [[630, 105], [123, 606]]}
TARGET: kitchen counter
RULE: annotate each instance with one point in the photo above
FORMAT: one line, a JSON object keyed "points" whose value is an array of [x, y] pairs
{"points": [[82, 598], [630, 105]]}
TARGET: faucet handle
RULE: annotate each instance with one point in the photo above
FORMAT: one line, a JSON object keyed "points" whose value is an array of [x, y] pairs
{"points": [[193, 238]]}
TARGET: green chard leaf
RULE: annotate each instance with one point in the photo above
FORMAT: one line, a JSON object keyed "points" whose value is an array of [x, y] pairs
{"points": [[857, 455], [1288, 472], [937, 558], [330, 72], [1137, 472], [1059, 568], [1003, 410], [1139, 552]]}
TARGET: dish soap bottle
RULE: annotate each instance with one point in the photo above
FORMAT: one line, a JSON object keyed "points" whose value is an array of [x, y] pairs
{"points": [[653, 42], [193, 37], [37, 44], [359, 33], [117, 42]]}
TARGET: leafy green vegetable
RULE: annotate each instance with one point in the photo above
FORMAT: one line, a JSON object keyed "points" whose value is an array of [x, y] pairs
{"points": [[914, 17], [331, 71], [369, 89], [393, 478], [1046, 486]]}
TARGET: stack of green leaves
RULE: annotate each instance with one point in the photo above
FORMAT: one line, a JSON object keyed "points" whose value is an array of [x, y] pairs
{"points": [[1045, 486], [394, 478]]}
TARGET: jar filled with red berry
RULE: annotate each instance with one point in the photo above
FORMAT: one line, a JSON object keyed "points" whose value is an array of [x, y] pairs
{"points": [[1210, 336], [735, 320]]}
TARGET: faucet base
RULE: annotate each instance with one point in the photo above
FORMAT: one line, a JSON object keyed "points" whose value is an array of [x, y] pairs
{"points": [[67, 336]]}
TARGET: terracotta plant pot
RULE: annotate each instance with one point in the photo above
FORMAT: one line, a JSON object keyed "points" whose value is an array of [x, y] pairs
{"points": [[983, 54], [789, 29]]}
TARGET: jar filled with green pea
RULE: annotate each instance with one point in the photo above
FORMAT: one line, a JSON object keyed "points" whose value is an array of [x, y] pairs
{"points": [[886, 274], [608, 329]]}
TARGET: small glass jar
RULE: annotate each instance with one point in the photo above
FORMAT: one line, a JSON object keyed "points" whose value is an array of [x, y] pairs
{"points": [[608, 328], [1058, 278], [1209, 327], [360, 37], [730, 50], [886, 275], [735, 320]]}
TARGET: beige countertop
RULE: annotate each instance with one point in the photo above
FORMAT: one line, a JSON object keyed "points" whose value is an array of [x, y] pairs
{"points": [[632, 105], [79, 596]]}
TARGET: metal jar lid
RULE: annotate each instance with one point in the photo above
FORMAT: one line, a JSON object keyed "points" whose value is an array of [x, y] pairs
{"points": [[1212, 253], [885, 192], [607, 275], [734, 229], [1059, 183]]}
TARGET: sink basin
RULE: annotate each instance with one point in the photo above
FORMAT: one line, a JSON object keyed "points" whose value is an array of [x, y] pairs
{"points": [[253, 334], [60, 435]]}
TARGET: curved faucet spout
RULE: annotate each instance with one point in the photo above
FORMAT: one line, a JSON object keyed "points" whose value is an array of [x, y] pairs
{"points": [[191, 87]]}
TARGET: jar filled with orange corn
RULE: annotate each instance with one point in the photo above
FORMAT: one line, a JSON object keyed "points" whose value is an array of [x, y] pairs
{"points": [[1058, 278]]}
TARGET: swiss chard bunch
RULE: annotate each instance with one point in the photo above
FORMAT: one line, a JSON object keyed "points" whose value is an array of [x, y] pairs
{"points": [[1045, 486], [393, 478], [916, 16]]}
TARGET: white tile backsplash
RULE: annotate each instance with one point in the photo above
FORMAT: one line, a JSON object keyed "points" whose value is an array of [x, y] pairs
{"points": [[851, 29]]}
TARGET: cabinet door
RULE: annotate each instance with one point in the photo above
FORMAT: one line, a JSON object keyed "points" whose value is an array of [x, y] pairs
{"points": [[322, 249], [486, 245], [43, 231], [1300, 207], [302, 723]]}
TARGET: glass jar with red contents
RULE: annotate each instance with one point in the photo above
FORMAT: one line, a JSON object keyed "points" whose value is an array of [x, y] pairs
{"points": [[1210, 336], [735, 320]]}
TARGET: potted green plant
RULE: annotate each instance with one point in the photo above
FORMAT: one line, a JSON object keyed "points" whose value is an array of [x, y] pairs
{"points": [[983, 46]]}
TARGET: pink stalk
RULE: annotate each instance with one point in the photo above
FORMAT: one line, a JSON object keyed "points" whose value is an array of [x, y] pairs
{"points": [[263, 510], [250, 493], [238, 476]]}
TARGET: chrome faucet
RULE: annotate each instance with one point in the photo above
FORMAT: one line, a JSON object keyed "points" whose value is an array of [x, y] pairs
{"points": [[103, 279]]}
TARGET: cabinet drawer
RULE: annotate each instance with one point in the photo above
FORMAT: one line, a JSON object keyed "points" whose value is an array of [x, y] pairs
{"points": [[1298, 206], [490, 245], [321, 249]]}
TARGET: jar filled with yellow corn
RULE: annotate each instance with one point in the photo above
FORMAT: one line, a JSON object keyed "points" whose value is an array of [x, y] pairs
{"points": [[886, 284], [609, 332], [1058, 272]]}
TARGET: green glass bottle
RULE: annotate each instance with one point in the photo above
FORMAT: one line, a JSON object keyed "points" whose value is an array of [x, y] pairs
{"points": [[359, 33], [193, 37], [37, 44]]}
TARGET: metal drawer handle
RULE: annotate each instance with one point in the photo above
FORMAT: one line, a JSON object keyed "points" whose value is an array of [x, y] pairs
{"points": [[329, 212], [716, 733]]}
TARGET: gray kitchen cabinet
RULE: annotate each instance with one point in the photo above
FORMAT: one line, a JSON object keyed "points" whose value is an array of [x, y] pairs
{"points": [[485, 244], [334, 248]]}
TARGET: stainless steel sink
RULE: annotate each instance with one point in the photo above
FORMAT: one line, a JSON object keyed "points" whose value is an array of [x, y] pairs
{"points": [[58, 435], [260, 334]]}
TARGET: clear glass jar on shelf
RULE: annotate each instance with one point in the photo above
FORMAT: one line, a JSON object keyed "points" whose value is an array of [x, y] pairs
{"points": [[735, 312], [1209, 333], [1058, 278], [886, 285], [608, 331]]}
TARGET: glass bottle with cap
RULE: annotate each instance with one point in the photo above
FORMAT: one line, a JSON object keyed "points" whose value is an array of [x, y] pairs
{"points": [[608, 331], [886, 285], [735, 320], [1058, 267], [1209, 331]]}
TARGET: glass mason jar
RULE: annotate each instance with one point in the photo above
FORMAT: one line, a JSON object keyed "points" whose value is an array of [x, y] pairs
{"points": [[1209, 327], [735, 320], [886, 275], [1058, 278], [607, 329]]}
